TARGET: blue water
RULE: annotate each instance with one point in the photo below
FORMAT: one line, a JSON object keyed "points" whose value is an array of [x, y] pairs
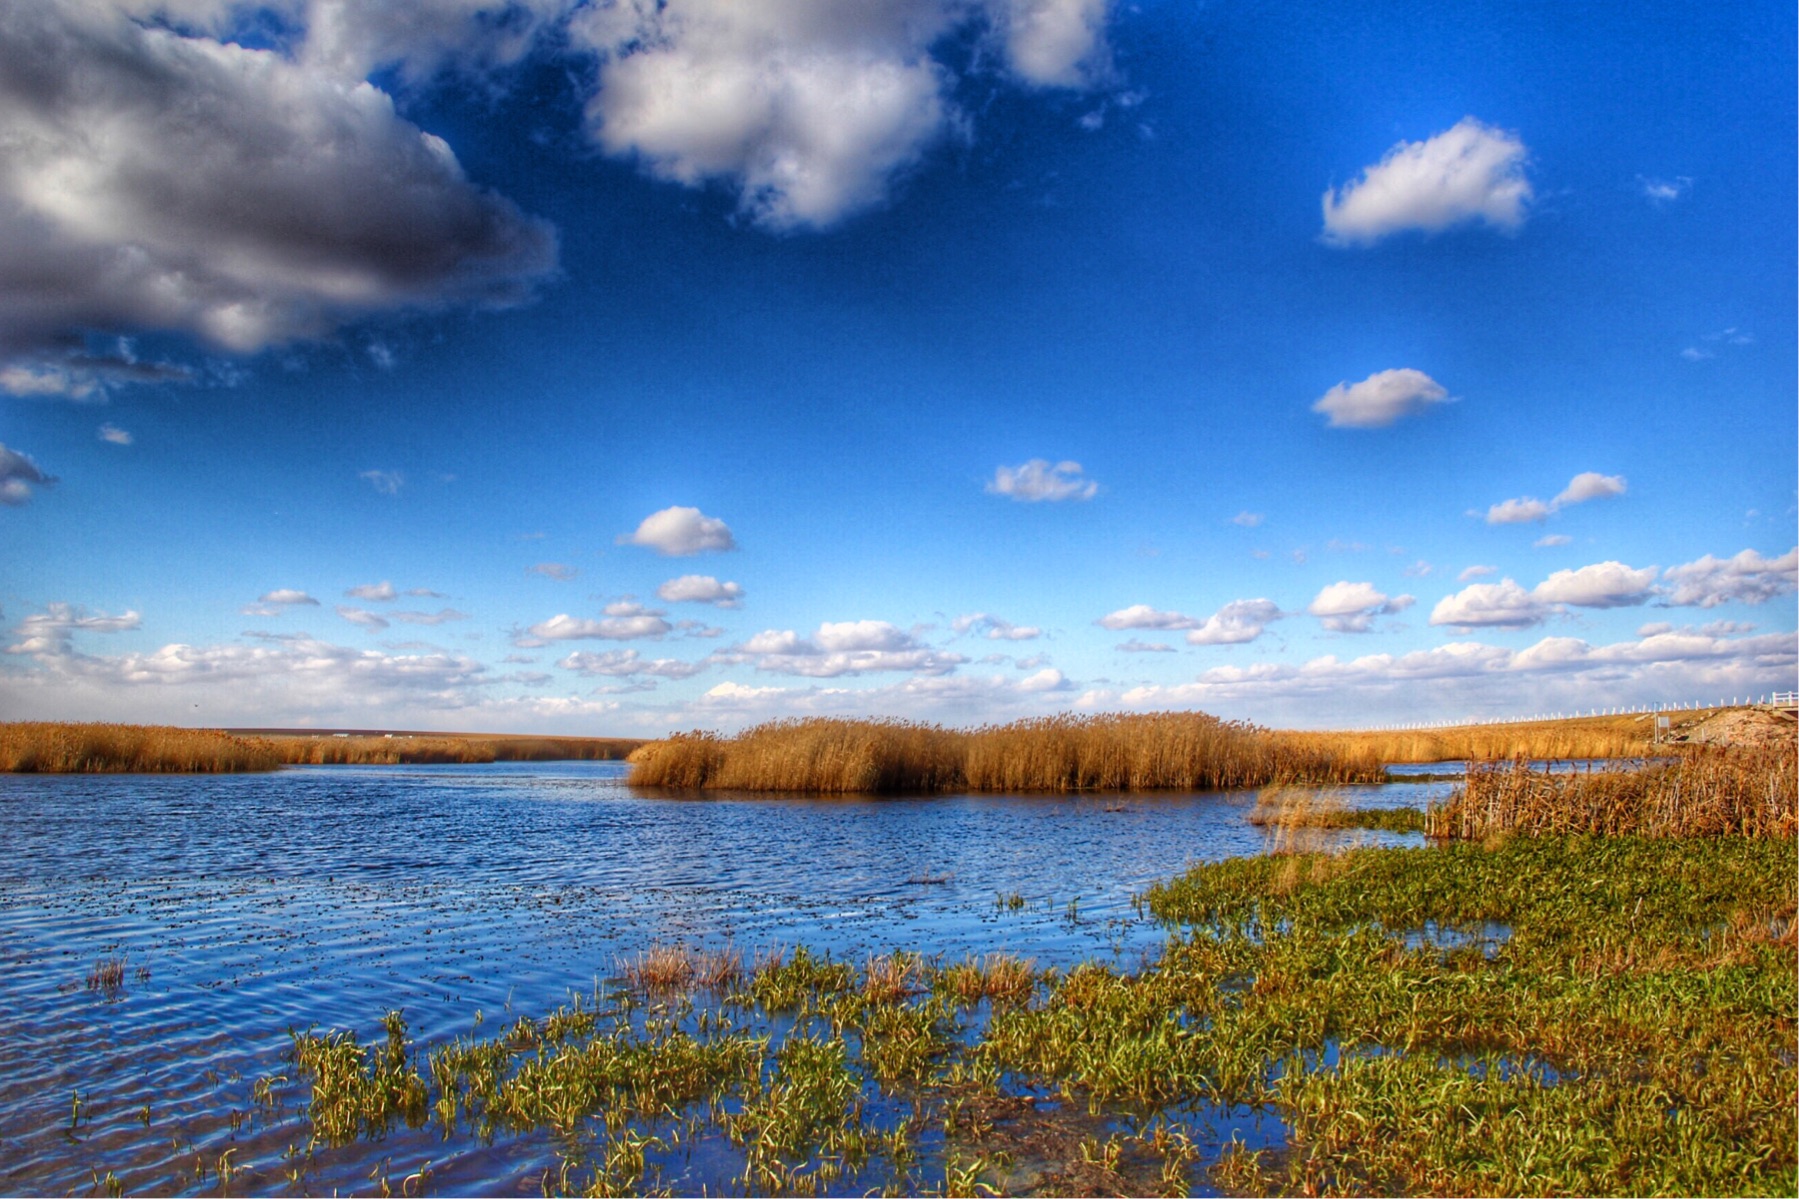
{"points": [[244, 905]]}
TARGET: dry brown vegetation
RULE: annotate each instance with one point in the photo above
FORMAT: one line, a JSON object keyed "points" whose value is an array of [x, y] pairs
{"points": [[1185, 750], [1751, 792], [45, 747], [1623, 736]]}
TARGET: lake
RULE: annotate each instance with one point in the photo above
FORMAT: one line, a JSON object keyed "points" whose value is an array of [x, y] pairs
{"points": [[321, 897]]}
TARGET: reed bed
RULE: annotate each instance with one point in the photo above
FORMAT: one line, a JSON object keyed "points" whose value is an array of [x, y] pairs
{"points": [[1745, 792], [1624, 736], [42, 747], [1170, 750], [49, 747]]}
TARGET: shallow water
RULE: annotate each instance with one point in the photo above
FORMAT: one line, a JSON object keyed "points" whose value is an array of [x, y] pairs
{"points": [[324, 896]]}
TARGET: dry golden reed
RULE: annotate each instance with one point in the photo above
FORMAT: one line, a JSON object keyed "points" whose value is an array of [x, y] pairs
{"points": [[1622, 736], [1747, 791], [1181, 750], [47, 747]]}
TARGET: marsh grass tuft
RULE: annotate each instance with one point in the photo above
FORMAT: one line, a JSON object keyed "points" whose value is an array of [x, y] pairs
{"points": [[108, 976]]}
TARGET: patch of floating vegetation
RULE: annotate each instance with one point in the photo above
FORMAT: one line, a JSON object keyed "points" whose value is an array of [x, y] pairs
{"points": [[1634, 1033]]}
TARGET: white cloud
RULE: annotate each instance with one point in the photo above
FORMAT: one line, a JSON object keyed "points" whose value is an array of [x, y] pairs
{"points": [[1037, 480], [850, 647], [701, 589], [1247, 519], [229, 224], [286, 597], [563, 627], [1476, 572], [362, 616], [1142, 616], [1380, 399], [18, 474], [1237, 622], [379, 592], [1552, 540], [1518, 512], [1747, 578], [1664, 191], [50, 633], [628, 663], [559, 571], [1501, 605], [441, 616], [1469, 172], [110, 432], [1134, 646], [1047, 679], [677, 532], [1601, 585], [810, 111], [995, 629], [1590, 485], [1345, 607], [387, 482]]}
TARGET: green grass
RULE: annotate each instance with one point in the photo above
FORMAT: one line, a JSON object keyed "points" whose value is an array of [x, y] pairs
{"points": [[1531, 1016]]}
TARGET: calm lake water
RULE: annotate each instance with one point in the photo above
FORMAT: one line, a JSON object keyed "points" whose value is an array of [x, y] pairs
{"points": [[247, 905]]}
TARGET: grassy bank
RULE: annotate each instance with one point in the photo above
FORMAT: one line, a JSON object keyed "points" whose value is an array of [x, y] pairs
{"points": [[1186, 750], [1562, 1013], [73, 748]]}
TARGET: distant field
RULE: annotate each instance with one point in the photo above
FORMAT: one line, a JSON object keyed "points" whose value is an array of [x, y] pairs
{"points": [[74, 748]]}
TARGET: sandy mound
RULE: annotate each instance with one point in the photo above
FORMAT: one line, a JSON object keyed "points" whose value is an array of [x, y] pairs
{"points": [[1742, 726]]}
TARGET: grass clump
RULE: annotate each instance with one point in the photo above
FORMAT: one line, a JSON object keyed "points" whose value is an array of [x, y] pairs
{"points": [[43, 747]]}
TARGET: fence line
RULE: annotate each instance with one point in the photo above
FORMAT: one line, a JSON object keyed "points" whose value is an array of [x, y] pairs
{"points": [[1786, 699]]}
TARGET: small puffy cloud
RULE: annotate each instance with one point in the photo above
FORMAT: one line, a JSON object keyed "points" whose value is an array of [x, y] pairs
{"points": [[1476, 572], [1345, 607], [111, 433], [1695, 354], [850, 647], [1380, 399], [362, 616], [1134, 646], [387, 482], [1518, 512], [1469, 172], [559, 571], [627, 663], [18, 474], [1601, 585], [1237, 622], [377, 592], [563, 627], [1247, 519], [50, 633], [1055, 43], [1551, 540], [678, 532], [1747, 578], [701, 589], [441, 616], [995, 629], [1047, 679], [1142, 616], [1037, 481], [286, 597], [1664, 191], [1590, 485]]}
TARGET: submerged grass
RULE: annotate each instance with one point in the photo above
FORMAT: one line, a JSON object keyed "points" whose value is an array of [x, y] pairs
{"points": [[1549, 1014]]}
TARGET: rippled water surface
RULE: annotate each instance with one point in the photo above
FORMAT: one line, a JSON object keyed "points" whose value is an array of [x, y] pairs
{"points": [[245, 905]]}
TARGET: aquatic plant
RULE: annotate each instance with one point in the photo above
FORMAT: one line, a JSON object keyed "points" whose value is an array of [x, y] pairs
{"points": [[44, 747]]}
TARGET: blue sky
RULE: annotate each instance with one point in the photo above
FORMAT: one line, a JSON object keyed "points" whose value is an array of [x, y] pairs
{"points": [[619, 368]]}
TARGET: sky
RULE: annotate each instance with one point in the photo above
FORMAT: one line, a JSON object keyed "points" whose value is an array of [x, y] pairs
{"points": [[600, 368]]}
